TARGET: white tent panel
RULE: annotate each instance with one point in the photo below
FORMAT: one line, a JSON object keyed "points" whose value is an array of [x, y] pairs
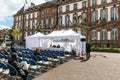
{"points": [[34, 41]]}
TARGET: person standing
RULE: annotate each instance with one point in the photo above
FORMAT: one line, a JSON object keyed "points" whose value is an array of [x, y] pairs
{"points": [[88, 50]]}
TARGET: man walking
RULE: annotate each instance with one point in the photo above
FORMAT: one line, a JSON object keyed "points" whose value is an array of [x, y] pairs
{"points": [[87, 50]]}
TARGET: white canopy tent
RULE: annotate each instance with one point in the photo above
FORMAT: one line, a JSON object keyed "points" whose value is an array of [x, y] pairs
{"points": [[68, 39], [34, 40]]}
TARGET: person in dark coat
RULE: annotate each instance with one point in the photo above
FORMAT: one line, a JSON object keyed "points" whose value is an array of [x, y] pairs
{"points": [[88, 50], [12, 48], [14, 62]]}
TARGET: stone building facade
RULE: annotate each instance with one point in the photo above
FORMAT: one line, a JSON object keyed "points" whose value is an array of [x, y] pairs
{"points": [[105, 18], [99, 19], [48, 17], [96, 19], [26, 19]]}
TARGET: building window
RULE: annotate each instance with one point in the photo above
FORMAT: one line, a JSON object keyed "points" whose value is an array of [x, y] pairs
{"points": [[52, 22], [75, 17], [31, 15], [15, 25], [26, 16], [16, 18], [67, 18], [52, 9], [42, 23], [94, 2], [19, 25], [30, 33], [47, 11], [103, 15], [42, 12], [35, 22], [35, 14], [94, 16], [114, 13], [84, 18], [60, 21], [103, 1], [103, 35], [115, 34], [60, 9], [75, 6], [84, 4], [67, 8], [94, 35], [31, 24], [19, 18], [46, 25], [25, 35], [26, 23]]}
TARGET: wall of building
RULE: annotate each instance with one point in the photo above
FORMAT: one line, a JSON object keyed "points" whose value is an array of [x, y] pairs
{"points": [[97, 27]]}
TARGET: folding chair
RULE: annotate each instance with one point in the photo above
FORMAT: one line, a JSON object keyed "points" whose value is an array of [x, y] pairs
{"points": [[34, 67], [46, 62], [13, 72], [5, 70]]}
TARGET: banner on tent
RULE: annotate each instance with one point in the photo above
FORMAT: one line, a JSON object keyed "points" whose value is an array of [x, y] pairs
{"points": [[64, 40]]}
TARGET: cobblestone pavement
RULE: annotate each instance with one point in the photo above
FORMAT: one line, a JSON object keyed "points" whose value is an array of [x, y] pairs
{"points": [[101, 66]]}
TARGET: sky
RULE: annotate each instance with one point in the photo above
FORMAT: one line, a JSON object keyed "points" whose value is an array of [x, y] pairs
{"points": [[9, 7]]}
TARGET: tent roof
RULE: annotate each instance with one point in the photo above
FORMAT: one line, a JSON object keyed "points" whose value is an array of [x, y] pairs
{"points": [[64, 34], [36, 35], [56, 33], [72, 33], [69, 32]]}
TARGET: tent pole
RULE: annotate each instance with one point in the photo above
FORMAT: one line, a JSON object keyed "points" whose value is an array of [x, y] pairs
{"points": [[39, 42], [77, 48]]}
